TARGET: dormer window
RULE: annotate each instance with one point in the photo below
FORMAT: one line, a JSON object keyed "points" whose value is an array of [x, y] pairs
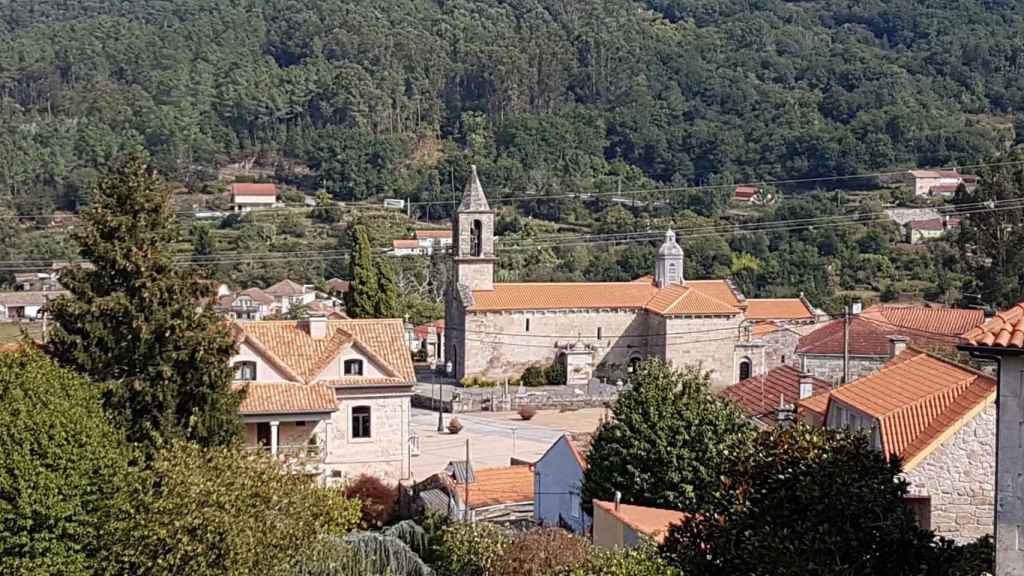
{"points": [[353, 367], [245, 370]]}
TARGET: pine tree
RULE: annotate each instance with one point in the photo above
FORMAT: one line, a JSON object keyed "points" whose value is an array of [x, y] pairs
{"points": [[361, 300], [387, 299], [135, 323]]}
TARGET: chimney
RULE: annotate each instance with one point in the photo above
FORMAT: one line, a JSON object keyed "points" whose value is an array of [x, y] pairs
{"points": [[806, 385], [897, 344], [857, 307], [317, 326], [618, 499]]}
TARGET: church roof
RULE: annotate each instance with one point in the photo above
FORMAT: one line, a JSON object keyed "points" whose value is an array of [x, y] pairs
{"points": [[695, 298], [473, 199]]}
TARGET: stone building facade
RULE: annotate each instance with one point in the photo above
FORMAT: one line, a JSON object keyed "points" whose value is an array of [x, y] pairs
{"points": [[497, 330]]}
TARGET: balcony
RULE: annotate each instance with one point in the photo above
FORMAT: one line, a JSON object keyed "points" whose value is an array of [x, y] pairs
{"points": [[299, 458]]}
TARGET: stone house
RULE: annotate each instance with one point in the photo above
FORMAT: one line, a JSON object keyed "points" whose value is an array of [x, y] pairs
{"points": [[333, 394], [249, 196], [618, 525], [918, 231], [768, 397], [557, 484], [939, 418], [249, 304], [1002, 339], [598, 329], [937, 182]]}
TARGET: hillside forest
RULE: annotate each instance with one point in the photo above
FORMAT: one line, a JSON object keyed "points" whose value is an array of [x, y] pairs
{"points": [[561, 105]]}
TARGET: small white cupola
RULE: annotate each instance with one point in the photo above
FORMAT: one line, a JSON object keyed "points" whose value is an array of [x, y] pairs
{"points": [[669, 265]]}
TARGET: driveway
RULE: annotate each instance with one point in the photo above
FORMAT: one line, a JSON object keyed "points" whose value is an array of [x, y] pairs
{"points": [[494, 437]]}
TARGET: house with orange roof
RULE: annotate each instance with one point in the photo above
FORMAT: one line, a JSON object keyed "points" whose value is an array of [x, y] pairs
{"points": [[939, 418], [1001, 339], [763, 397], [501, 495], [558, 481], [333, 395], [618, 525], [246, 196], [596, 329]]}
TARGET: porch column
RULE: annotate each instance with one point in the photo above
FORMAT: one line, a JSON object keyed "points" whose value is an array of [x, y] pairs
{"points": [[273, 437]]}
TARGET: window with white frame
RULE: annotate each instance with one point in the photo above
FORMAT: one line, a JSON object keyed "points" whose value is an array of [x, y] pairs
{"points": [[245, 370], [353, 367]]}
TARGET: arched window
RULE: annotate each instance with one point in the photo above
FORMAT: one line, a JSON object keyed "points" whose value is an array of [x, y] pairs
{"points": [[353, 367], [245, 370], [634, 364], [745, 368], [476, 238], [673, 271], [360, 421]]}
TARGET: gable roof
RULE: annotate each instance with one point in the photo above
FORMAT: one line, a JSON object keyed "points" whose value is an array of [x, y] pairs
{"points": [[337, 285], [422, 234], [288, 345], [758, 396], [1004, 330], [286, 287], [493, 486], [654, 522], [761, 309], [697, 298], [935, 174], [578, 444], [255, 294], [253, 189], [866, 339], [285, 398], [949, 322], [916, 398], [34, 298], [401, 244]]}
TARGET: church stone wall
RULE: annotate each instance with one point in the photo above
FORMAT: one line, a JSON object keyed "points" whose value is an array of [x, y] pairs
{"points": [[499, 346], [707, 342], [830, 367]]}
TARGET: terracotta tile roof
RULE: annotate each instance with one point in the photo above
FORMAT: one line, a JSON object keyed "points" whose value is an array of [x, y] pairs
{"points": [[866, 339], [759, 396], [35, 298], [778, 309], [915, 398], [252, 189], [1004, 330], [422, 330], [285, 398], [493, 486], [288, 345], [925, 326], [745, 192], [934, 224], [401, 244], [255, 294], [286, 287], [322, 308], [654, 522], [762, 328], [701, 297], [337, 285], [422, 234], [943, 188], [934, 174], [817, 404]]}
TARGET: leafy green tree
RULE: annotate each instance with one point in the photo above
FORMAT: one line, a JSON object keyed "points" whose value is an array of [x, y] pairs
{"points": [[64, 472], [326, 210], [803, 501], [135, 325], [225, 511], [668, 443], [745, 271], [642, 560], [364, 290]]}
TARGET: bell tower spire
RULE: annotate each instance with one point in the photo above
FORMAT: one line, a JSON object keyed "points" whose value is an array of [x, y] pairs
{"points": [[669, 265], [474, 238]]}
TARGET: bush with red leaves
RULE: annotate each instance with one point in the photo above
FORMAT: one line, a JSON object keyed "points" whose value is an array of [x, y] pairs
{"points": [[379, 500]]}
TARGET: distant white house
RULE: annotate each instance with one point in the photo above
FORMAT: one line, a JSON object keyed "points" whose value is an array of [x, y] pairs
{"points": [[938, 182], [557, 481], [431, 240], [406, 248], [918, 231], [25, 305], [250, 196]]}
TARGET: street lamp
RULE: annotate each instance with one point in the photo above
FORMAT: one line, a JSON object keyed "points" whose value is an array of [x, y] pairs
{"points": [[440, 404]]}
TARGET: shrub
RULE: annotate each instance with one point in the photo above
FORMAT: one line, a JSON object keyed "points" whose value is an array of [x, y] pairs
{"points": [[477, 382], [533, 376], [555, 375], [527, 412], [640, 561], [472, 549], [379, 500], [540, 552]]}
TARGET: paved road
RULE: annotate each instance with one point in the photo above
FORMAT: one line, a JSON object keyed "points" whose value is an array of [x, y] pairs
{"points": [[493, 440]]}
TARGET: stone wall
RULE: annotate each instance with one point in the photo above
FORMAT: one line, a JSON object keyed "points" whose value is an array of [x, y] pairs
{"points": [[830, 368], [709, 343], [959, 478], [386, 453], [780, 346]]}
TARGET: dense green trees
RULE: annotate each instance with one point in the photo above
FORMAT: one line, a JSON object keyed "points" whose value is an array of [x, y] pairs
{"points": [[372, 292], [135, 324], [668, 443]]}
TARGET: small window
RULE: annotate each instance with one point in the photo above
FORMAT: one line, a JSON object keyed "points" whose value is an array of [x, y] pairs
{"points": [[300, 423], [527, 324], [921, 508], [574, 504], [598, 332], [634, 364], [245, 370], [353, 367], [744, 369], [672, 271], [476, 235], [361, 422]]}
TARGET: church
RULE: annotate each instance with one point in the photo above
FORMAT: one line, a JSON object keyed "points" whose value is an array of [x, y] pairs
{"points": [[600, 330]]}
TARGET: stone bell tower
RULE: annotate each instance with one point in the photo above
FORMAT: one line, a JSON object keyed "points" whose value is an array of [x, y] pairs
{"points": [[473, 233], [669, 264]]}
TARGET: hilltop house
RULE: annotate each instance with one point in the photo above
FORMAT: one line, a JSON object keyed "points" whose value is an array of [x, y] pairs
{"points": [[557, 481], [431, 240], [334, 394], [871, 335], [408, 247], [939, 418], [1002, 339], [249, 196], [918, 231], [597, 329], [938, 182]]}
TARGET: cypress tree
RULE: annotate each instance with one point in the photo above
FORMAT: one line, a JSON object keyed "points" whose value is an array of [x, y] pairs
{"points": [[361, 300], [387, 299], [136, 322]]}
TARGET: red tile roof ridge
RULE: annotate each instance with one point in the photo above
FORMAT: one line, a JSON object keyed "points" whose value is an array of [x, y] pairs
{"points": [[1001, 331]]}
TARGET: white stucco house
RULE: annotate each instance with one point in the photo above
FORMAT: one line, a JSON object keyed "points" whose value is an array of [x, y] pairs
{"points": [[557, 482], [247, 196], [330, 395]]}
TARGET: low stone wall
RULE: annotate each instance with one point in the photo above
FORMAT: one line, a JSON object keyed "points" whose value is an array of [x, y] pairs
{"points": [[458, 399]]}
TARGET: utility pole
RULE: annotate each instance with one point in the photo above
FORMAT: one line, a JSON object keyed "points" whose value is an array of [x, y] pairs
{"points": [[846, 344], [466, 503]]}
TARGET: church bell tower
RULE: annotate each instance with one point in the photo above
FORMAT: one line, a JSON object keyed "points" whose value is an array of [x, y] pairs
{"points": [[473, 248], [669, 264]]}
